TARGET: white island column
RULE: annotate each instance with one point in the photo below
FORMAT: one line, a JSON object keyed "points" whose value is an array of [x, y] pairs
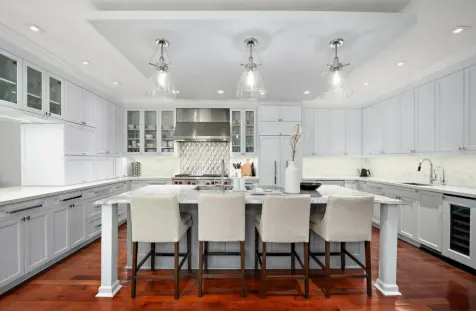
{"points": [[387, 274], [109, 247]]}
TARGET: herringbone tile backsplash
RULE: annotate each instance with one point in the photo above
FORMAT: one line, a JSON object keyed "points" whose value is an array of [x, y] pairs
{"points": [[203, 157]]}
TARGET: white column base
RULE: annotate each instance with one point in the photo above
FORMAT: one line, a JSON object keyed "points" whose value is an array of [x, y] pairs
{"points": [[108, 291], [387, 289]]}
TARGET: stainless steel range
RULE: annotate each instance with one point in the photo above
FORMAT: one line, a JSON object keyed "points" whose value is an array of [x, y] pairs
{"points": [[202, 180]]}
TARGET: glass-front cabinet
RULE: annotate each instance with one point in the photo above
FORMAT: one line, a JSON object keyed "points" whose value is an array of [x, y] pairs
{"points": [[150, 131], [55, 96], [10, 73], [243, 131], [34, 95]]}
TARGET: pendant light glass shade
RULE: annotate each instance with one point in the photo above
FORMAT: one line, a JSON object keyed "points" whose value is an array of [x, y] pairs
{"points": [[337, 84], [250, 85], [160, 84]]}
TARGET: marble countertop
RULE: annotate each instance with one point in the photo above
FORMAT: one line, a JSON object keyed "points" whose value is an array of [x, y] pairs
{"points": [[186, 195]]}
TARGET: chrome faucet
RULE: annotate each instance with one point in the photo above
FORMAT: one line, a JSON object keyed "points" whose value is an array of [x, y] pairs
{"points": [[443, 177], [222, 175], [432, 172]]}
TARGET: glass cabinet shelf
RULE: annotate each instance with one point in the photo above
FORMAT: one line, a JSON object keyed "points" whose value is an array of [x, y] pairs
{"points": [[8, 79], [34, 88], [243, 131]]}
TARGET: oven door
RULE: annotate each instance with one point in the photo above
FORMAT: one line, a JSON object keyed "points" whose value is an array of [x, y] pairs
{"points": [[459, 229]]}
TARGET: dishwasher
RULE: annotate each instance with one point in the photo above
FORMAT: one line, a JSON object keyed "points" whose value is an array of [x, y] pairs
{"points": [[459, 229]]}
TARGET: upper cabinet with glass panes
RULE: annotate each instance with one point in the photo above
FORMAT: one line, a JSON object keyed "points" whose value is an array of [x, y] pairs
{"points": [[167, 128], [34, 95], [243, 131], [10, 79]]}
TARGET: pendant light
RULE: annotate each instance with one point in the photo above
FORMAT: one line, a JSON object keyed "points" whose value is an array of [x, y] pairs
{"points": [[160, 82], [338, 85], [250, 85]]}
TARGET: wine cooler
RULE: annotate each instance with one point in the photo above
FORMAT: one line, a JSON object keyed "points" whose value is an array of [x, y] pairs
{"points": [[459, 226]]}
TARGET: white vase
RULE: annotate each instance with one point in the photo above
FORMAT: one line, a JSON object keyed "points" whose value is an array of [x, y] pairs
{"points": [[292, 178]]}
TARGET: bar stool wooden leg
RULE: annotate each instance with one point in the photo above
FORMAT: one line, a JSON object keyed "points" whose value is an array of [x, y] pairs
{"points": [[206, 257], [243, 276], [368, 266], [256, 249], [176, 271], [328, 269], [134, 268], [189, 250], [306, 270], [342, 256], [293, 249], [263, 271], [200, 268], [152, 256]]}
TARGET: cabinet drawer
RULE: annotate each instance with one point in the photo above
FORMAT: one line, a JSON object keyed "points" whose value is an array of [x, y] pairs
{"points": [[94, 227], [24, 207]]}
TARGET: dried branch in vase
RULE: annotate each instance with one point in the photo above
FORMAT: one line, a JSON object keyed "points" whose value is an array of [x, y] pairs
{"points": [[295, 137]]}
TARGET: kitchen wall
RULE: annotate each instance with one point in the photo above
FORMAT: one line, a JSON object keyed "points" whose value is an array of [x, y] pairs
{"points": [[335, 166], [460, 169], [10, 158]]}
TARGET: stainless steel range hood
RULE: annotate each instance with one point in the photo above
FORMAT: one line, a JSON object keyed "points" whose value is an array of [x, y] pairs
{"points": [[202, 124]]}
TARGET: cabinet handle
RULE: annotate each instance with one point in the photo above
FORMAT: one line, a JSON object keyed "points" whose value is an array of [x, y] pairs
{"points": [[98, 226], [72, 198], [464, 148], [24, 209]]}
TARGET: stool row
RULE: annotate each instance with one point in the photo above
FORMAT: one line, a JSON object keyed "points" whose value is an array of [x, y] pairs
{"points": [[221, 218]]}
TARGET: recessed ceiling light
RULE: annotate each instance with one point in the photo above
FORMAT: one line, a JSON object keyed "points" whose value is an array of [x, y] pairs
{"points": [[116, 83], [220, 91], [307, 92], [35, 28], [366, 83], [400, 64], [85, 62], [175, 91], [459, 29]]}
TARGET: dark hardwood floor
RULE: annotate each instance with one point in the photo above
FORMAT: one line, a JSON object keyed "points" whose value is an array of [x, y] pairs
{"points": [[426, 282]]}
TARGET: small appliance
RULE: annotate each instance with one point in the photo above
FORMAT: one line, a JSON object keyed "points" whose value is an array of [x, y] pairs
{"points": [[364, 172]]}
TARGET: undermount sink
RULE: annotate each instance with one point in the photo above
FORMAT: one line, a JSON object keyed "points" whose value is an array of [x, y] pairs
{"points": [[416, 184]]}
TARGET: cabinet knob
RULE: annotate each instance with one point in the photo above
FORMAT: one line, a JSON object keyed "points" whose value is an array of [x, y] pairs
{"points": [[23, 219]]}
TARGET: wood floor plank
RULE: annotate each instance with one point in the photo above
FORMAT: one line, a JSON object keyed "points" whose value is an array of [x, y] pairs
{"points": [[426, 282]]}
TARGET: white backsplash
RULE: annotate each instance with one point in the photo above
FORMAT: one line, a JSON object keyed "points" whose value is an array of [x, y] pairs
{"points": [[334, 166], [460, 169]]}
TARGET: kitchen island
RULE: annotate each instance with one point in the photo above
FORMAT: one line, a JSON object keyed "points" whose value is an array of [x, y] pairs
{"points": [[188, 199]]}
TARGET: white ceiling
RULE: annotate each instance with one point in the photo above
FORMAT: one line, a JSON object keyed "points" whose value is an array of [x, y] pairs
{"points": [[117, 38]]}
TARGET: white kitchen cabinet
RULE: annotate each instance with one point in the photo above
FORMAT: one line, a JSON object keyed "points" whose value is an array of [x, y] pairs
{"points": [[167, 127], [118, 130], [12, 245], [408, 218], [79, 170], [449, 122], [76, 218], [470, 109], [268, 113], [10, 80], [391, 125], [321, 132], [74, 99], [307, 140], [55, 97], [110, 141], [291, 113], [425, 118], [277, 128], [274, 113], [79, 139], [337, 122], [88, 108], [430, 221], [353, 132], [372, 129], [104, 168], [37, 240], [367, 131], [243, 131], [270, 160], [33, 88], [104, 126], [59, 229], [407, 122]]}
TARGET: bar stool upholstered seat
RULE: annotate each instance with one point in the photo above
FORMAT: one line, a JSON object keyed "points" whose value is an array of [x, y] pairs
{"points": [[346, 219], [221, 218], [283, 219], [157, 219]]}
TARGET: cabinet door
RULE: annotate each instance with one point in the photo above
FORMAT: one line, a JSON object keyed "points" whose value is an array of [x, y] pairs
{"points": [[307, 140], [430, 222], [101, 145], [76, 224], [133, 131], [321, 131], [249, 129], [104, 168], [73, 95], [269, 159], [337, 132], [73, 170], [167, 127], [109, 120], [407, 122], [291, 113], [59, 230], [367, 134], [55, 93], [377, 119], [88, 108], [33, 83], [75, 140], [425, 118], [353, 132], [236, 131], [391, 125], [12, 246], [470, 109], [408, 218], [449, 112], [37, 240], [270, 113], [118, 129], [10, 80]]}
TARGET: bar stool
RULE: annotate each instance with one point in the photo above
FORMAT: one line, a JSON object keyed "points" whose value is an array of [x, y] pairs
{"points": [[157, 219], [283, 219], [221, 218], [347, 219]]}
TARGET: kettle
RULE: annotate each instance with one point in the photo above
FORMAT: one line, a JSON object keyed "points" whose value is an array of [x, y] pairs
{"points": [[364, 172]]}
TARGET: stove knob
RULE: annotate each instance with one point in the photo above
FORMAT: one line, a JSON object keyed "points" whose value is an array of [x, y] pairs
{"points": [[225, 182], [212, 182], [194, 183], [175, 182], [188, 183], [180, 182], [207, 183]]}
